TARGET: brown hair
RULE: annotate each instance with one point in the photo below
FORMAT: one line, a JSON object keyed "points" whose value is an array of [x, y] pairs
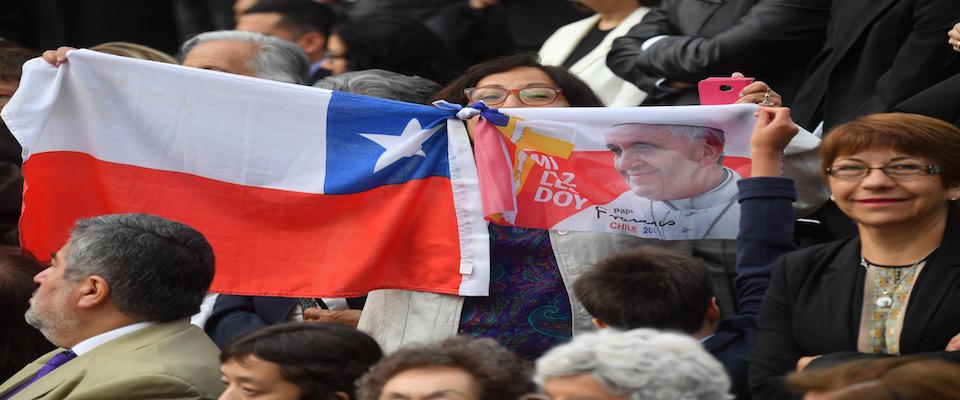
{"points": [[11, 62], [577, 92], [499, 374], [901, 378], [932, 139], [647, 287], [134, 50]]}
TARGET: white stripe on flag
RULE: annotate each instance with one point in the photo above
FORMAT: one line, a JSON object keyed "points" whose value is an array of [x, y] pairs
{"points": [[220, 126], [474, 240]]}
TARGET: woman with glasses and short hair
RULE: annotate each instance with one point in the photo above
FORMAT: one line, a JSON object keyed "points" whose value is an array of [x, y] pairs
{"points": [[891, 290], [529, 306]]}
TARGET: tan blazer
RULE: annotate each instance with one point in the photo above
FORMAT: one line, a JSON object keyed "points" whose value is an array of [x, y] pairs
{"points": [[170, 360], [592, 68]]}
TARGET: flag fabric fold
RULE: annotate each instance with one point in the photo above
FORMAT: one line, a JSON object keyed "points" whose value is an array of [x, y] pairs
{"points": [[302, 192]]}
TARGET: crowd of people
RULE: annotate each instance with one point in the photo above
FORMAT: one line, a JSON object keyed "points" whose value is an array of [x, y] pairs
{"points": [[858, 300]]}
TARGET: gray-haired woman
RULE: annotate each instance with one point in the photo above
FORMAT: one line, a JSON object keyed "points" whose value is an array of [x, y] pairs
{"points": [[637, 364]]}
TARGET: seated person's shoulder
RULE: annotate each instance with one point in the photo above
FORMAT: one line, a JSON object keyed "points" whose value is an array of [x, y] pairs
{"points": [[148, 386], [183, 365]]}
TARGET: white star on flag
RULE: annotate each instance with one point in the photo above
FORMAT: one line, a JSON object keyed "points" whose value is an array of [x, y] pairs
{"points": [[408, 144]]}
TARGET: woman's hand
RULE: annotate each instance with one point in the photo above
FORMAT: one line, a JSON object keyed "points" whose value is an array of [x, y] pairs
{"points": [[771, 134], [758, 93], [954, 39], [56, 57], [804, 361], [954, 344], [483, 4]]}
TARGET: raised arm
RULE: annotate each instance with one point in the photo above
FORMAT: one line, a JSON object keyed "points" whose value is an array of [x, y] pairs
{"points": [[766, 208]]}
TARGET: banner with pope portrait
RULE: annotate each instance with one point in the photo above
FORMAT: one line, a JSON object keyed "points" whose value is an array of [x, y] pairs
{"points": [[667, 173]]}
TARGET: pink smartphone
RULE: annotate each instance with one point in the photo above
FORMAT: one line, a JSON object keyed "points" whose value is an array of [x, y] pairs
{"points": [[721, 90]]}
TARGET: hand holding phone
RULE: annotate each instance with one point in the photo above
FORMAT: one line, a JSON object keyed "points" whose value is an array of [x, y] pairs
{"points": [[719, 90]]}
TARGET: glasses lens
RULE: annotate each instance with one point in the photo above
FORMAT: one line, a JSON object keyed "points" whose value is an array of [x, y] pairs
{"points": [[893, 171], [848, 171], [535, 96], [904, 170], [489, 96]]}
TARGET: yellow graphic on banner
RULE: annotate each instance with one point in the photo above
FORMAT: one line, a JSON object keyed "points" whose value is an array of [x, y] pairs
{"points": [[529, 140]]}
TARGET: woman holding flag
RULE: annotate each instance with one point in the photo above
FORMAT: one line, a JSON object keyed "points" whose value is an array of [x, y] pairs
{"points": [[530, 307]]}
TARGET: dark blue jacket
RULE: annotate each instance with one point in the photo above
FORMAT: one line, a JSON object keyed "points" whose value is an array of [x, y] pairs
{"points": [[766, 233], [234, 315]]}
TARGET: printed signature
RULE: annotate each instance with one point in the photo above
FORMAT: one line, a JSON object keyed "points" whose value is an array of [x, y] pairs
{"points": [[663, 222]]}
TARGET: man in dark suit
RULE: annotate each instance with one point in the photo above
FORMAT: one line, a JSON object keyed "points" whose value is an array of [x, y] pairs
{"points": [[680, 42], [117, 299], [878, 54], [656, 288]]}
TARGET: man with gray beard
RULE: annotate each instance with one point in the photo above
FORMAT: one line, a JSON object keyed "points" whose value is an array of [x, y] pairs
{"points": [[117, 301]]}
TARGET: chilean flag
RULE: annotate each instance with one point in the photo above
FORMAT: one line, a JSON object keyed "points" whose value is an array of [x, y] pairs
{"points": [[302, 192]]}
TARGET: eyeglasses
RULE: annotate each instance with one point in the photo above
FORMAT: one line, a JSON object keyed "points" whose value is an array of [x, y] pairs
{"points": [[531, 96], [897, 172]]}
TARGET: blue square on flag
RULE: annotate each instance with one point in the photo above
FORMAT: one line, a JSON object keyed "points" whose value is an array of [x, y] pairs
{"points": [[373, 142]]}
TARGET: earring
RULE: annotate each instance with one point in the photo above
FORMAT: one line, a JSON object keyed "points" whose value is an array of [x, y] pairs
{"points": [[832, 198]]}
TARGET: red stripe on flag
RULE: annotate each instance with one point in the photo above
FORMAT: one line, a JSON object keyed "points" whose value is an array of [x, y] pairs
{"points": [[267, 241]]}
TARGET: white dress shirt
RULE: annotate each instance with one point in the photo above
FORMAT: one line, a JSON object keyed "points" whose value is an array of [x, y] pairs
{"points": [[91, 343]]}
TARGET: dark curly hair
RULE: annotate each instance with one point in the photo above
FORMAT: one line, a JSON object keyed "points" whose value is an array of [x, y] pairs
{"points": [[499, 374], [577, 92], [322, 359]]}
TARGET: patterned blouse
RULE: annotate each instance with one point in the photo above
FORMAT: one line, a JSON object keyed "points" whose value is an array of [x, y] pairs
{"points": [[528, 310], [885, 297]]}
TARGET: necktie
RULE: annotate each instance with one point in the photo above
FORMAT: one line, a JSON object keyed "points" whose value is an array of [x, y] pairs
{"points": [[52, 364]]}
